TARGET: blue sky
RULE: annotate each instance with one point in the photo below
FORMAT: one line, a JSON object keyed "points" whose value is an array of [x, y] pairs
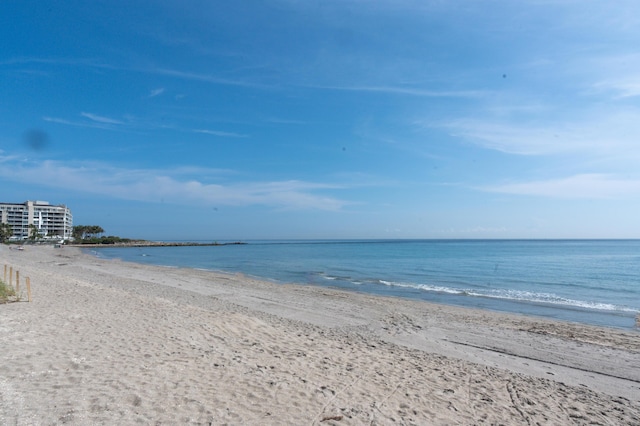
{"points": [[325, 119]]}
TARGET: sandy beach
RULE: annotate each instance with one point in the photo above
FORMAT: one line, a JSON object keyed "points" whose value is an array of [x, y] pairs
{"points": [[109, 342]]}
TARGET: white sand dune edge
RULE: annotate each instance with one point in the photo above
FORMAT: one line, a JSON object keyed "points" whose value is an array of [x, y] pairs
{"points": [[108, 342]]}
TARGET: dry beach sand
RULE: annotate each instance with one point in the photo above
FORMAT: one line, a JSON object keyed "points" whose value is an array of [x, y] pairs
{"points": [[108, 342]]}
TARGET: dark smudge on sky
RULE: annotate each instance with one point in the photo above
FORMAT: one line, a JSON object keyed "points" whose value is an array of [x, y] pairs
{"points": [[36, 139]]}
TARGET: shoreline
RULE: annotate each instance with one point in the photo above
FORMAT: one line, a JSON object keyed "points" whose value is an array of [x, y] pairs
{"points": [[239, 350], [580, 310], [155, 244]]}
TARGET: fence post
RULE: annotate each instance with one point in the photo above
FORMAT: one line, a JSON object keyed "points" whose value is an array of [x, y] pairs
{"points": [[28, 289], [18, 283], [10, 276], [5, 273]]}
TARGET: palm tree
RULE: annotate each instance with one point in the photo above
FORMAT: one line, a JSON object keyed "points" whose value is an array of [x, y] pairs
{"points": [[78, 232], [5, 232], [83, 232], [33, 233], [95, 230]]}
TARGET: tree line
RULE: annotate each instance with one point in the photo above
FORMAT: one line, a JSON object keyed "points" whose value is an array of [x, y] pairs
{"points": [[92, 234], [5, 232], [82, 234]]}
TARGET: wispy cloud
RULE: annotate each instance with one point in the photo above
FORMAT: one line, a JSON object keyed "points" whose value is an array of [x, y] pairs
{"points": [[177, 186], [100, 119], [220, 133], [61, 121], [611, 76], [107, 123], [586, 186], [92, 121], [89, 124], [610, 133], [623, 87], [517, 139], [409, 91], [5, 158], [180, 74], [207, 78], [47, 61], [156, 92], [276, 120]]}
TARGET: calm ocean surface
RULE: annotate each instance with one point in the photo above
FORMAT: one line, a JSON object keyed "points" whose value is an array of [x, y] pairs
{"points": [[588, 281]]}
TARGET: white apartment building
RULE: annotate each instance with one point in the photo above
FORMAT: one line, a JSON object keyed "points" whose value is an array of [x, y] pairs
{"points": [[51, 221]]}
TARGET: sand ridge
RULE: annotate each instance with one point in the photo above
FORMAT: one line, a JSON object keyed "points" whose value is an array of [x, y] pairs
{"points": [[108, 342]]}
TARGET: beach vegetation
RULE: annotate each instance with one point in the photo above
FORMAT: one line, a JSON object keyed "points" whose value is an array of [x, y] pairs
{"points": [[111, 239], [83, 232], [34, 233], [7, 293], [92, 234], [5, 232]]}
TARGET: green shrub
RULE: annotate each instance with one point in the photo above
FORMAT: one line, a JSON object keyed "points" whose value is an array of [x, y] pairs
{"points": [[104, 240], [7, 293]]}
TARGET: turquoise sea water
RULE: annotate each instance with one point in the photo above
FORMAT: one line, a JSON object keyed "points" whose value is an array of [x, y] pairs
{"points": [[588, 281]]}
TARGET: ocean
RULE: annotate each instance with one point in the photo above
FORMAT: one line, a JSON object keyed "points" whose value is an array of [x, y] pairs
{"points": [[587, 281]]}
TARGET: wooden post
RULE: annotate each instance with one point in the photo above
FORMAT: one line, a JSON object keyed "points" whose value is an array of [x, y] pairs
{"points": [[18, 283], [10, 276], [28, 289], [5, 273]]}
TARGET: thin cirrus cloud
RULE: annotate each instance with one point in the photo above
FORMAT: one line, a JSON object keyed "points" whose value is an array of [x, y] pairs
{"points": [[194, 76], [220, 133], [612, 134], [90, 124], [106, 123], [93, 121], [409, 91], [581, 186], [613, 75], [626, 87], [100, 119], [517, 139], [151, 185], [156, 92]]}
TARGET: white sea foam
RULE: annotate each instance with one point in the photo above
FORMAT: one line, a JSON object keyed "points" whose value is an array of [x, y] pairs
{"points": [[515, 295], [565, 279], [525, 296]]}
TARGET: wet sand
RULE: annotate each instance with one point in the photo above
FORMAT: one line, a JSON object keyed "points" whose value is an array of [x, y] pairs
{"points": [[109, 342]]}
